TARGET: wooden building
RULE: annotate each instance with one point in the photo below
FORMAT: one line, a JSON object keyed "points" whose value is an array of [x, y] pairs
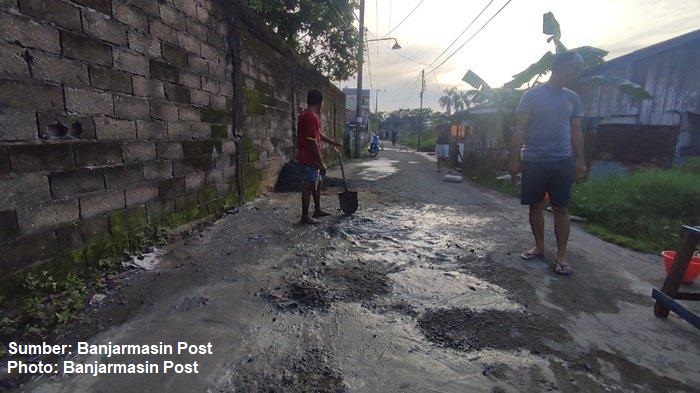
{"points": [[669, 70]]}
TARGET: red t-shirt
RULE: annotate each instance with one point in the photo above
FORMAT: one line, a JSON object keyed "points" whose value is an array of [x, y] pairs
{"points": [[308, 128]]}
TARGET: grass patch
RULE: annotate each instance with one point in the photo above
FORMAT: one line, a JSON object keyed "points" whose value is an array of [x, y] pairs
{"points": [[643, 211], [427, 141], [49, 297], [481, 173]]}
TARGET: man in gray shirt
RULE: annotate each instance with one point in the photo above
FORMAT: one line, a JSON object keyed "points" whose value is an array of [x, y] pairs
{"points": [[548, 148]]}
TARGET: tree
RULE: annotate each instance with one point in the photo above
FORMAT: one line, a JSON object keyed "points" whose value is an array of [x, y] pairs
{"points": [[508, 96], [458, 100], [592, 57], [321, 31]]}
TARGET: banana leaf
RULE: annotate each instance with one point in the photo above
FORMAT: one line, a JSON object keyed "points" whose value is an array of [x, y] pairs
{"points": [[476, 82], [628, 87], [550, 26], [591, 56], [542, 66]]}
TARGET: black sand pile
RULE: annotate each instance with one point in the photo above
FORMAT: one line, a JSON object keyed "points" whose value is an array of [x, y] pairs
{"points": [[290, 179]]}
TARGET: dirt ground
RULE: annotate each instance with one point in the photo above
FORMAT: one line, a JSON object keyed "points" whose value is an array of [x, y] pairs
{"points": [[422, 290]]}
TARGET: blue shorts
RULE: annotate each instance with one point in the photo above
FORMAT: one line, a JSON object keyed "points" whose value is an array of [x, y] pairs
{"points": [[555, 178], [309, 173]]}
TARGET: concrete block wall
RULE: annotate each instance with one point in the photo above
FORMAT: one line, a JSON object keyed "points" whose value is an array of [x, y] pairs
{"points": [[113, 107], [273, 87]]}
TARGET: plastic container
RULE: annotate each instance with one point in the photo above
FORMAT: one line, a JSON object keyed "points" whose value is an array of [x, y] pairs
{"points": [[693, 271]]}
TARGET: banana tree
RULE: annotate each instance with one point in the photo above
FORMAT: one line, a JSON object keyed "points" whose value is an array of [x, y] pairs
{"points": [[592, 57], [501, 97]]}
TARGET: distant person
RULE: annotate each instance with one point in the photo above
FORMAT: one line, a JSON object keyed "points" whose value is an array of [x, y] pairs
{"points": [[393, 137], [309, 139], [548, 136], [442, 145]]}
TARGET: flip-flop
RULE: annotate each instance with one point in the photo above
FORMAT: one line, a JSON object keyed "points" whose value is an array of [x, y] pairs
{"points": [[563, 269], [528, 256]]}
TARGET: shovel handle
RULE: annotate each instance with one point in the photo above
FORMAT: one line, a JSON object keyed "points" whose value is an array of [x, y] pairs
{"points": [[342, 170]]}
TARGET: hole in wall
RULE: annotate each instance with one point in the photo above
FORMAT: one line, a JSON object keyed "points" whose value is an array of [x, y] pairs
{"points": [[76, 129], [55, 130]]}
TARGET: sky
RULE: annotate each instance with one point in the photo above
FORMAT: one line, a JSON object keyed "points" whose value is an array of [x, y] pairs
{"points": [[508, 44]]}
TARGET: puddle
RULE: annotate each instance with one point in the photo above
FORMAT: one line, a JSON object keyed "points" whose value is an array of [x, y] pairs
{"points": [[424, 288], [377, 169]]}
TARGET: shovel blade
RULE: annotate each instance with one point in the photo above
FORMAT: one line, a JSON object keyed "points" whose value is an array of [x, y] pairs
{"points": [[348, 202]]}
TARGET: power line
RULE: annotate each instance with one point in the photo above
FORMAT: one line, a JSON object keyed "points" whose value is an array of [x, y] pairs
{"points": [[462, 33], [436, 81], [386, 73], [396, 52], [375, 36], [470, 38], [402, 20], [413, 85]]}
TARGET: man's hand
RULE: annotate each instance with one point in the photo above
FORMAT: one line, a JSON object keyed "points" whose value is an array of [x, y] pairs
{"points": [[580, 169], [514, 169]]}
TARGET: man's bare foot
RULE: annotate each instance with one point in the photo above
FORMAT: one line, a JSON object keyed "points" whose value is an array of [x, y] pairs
{"points": [[320, 213], [308, 221]]}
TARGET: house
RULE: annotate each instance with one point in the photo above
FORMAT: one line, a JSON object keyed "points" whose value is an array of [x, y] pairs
{"points": [[668, 71], [487, 132]]}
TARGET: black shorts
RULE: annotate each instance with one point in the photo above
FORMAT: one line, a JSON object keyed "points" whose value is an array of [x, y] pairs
{"points": [[555, 178]]}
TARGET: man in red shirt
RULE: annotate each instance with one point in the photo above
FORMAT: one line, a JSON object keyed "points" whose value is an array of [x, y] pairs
{"points": [[309, 139]]}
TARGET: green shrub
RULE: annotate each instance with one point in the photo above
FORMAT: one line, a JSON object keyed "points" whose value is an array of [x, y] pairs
{"points": [[427, 141], [644, 210]]}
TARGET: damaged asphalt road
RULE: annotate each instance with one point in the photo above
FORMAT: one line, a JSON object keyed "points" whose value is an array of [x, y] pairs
{"points": [[422, 290]]}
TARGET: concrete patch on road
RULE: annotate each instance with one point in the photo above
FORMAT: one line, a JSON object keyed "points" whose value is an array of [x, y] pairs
{"points": [[378, 169]]}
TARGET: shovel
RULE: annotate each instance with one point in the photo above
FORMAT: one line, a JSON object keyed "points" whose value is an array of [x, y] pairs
{"points": [[348, 199]]}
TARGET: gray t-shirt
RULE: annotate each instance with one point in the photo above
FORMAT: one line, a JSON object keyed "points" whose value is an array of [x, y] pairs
{"points": [[548, 132]]}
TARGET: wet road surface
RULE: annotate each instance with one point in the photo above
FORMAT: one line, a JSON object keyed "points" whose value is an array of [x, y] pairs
{"points": [[422, 290]]}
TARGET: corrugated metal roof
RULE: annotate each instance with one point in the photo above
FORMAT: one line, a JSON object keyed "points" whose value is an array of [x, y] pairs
{"points": [[653, 49]]}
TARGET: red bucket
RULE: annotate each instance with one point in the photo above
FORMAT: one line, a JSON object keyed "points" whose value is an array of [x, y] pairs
{"points": [[691, 273]]}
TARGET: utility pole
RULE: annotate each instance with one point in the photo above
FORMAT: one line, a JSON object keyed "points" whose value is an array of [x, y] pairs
{"points": [[420, 113], [376, 107], [376, 100], [358, 107]]}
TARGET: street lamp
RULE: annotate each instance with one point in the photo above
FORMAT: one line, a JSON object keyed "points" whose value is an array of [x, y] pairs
{"points": [[360, 59], [396, 45]]}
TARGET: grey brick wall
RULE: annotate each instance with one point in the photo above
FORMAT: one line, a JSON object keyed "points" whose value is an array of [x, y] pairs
{"points": [[113, 106]]}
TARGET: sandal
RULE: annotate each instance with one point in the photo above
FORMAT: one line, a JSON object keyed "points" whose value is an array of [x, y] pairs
{"points": [[527, 255], [563, 268]]}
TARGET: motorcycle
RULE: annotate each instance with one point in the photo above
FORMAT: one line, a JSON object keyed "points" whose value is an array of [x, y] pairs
{"points": [[374, 147]]}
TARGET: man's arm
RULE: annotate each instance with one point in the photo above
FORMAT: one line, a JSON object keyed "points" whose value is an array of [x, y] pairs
{"points": [[518, 139], [577, 146], [315, 150], [329, 140]]}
